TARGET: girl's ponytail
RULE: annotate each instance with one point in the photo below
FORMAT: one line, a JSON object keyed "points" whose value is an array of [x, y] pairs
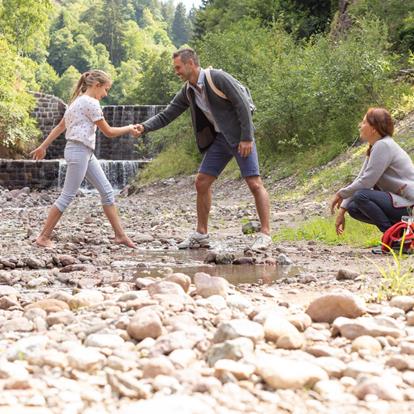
{"points": [[88, 79]]}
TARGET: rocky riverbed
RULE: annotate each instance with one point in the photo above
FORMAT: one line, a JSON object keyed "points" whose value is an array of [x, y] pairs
{"points": [[91, 327]]}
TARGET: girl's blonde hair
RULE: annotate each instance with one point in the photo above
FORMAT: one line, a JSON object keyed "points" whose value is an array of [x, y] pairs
{"points": [[89, 79]]}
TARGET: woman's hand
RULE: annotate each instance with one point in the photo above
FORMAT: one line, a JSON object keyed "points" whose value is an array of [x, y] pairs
{"points": [[336, 202], [340, 222], [39, 153]]}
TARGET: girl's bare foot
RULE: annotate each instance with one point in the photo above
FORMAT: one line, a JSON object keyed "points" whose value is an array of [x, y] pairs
{"points": [[44, 242], [125, 240]]}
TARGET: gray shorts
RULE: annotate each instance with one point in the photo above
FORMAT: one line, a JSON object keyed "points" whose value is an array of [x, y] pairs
{"points": [[220, 153]]}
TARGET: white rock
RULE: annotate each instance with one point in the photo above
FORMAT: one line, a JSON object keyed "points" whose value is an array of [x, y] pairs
{"points": [[381, 387], [157, 366], [86, 359], [286, 373], [366, 344], [104, 341], [207, 285], [145, 324], [86, 298], [237, 328], [333, 366], [406, 303]]}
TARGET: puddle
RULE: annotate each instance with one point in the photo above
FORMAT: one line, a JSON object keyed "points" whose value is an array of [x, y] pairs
{"points": [[159, 263]]}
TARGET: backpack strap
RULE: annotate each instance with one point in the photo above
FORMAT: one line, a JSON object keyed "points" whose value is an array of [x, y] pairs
{"points": [[210, 82]]}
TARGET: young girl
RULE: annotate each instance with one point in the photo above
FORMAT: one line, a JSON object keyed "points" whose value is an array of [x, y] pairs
{"points": [[81, 118]]}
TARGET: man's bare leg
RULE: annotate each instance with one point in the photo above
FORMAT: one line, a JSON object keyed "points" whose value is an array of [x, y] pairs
{"points": [[203, 183], [261, 198]]}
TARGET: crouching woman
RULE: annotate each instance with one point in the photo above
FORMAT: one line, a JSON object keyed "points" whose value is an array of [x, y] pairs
{"points": [[383, 191]]}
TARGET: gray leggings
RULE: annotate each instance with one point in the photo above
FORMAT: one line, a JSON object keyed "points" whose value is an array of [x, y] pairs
{"points": [[82, 163]]}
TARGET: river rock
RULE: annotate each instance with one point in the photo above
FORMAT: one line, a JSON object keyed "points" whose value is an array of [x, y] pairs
{"points": [[381, 387], [49, 305], [181, 279], [330, 306], [145, 324], [207, 285], [366, 344], [104, 341], [86, 298], [234, 349], [85, 359], [371, 326], [240, 370], [157, 366], [237, 328], [406, 303], [346, 274], [287, 373], [165, 288]]}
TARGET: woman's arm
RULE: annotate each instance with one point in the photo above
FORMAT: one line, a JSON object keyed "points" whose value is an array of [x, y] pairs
{"points": [[40, 152], [112, 132]]}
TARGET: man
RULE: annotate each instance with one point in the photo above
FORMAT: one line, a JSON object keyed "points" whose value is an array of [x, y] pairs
{"points": [[224, 129]]}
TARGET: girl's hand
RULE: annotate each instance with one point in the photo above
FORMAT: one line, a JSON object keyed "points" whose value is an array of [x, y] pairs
{"points": [[39, 153], [336, 202]]}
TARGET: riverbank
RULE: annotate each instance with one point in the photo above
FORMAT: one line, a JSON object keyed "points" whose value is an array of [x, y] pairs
{"points": [[92, 327]]}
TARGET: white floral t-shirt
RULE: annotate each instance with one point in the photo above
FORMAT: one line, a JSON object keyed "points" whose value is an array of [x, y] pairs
{"points": [[80, 118]]}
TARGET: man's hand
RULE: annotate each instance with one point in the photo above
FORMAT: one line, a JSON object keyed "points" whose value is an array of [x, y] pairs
{"points": [[39, 153], [137, 130], [245, 148], [336, 202]]}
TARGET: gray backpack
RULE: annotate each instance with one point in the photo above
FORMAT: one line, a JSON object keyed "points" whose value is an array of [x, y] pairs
{"points": [[244, 89]]}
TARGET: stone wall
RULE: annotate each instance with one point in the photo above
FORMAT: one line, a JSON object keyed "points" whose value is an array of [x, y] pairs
{"points": [[48, 113], [25, 173], [50, 110]]}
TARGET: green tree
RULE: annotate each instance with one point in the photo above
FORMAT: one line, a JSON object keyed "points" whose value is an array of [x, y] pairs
{"points": [[17, 128], [82, 54], [109, 28], [60, 48], [158, 83], [24, 24], [46, 78], [64, 88], [181, 26]]}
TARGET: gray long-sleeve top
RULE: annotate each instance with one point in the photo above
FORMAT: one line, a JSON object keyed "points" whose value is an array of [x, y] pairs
{"points": [[232, 115], [389, 168]]}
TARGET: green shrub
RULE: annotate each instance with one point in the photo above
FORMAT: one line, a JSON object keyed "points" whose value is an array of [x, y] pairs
{"points": [[17, 129]]}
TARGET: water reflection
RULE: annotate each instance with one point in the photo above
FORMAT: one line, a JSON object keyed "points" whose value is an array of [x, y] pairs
{"points": [[160, 263]]}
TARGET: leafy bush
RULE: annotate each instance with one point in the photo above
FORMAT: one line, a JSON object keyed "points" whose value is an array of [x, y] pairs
{"points": [[17, 129], [308, 94]]}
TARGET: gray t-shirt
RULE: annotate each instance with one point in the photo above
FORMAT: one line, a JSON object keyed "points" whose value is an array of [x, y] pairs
{"points": [[80, 118]]}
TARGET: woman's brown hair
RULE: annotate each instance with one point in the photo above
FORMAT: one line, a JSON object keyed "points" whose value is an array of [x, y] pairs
{"points": [[381, 120]]}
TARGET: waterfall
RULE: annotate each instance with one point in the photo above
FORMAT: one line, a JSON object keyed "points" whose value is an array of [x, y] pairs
{"points": [[119, 173]]}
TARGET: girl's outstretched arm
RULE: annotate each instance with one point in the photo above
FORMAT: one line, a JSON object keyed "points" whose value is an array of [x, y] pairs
{"points": [[112, 132], [40, 152]]}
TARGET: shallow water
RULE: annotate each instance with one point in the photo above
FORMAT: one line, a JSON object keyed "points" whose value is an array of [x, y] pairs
{"points": [[161, 263]]}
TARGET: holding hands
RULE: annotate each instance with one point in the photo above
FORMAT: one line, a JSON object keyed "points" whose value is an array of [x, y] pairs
{"points": [[136, 130]]}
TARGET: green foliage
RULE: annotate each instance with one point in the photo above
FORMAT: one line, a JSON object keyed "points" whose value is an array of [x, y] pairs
{"points": [[17, 129], [308, 94], [179, 153], [46, 78], [181, 26], [397, 15], [66, 84], [158, 83], [322, 229], [300, 17], [24, 24], [396, 276]]}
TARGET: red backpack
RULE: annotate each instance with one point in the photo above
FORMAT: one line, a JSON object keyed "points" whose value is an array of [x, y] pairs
{"points": [[393, 237]]}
